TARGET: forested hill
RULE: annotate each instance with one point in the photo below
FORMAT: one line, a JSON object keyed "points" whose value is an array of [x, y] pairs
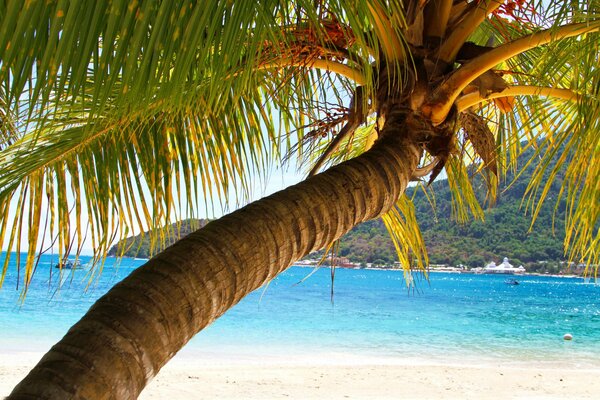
{"points": [[504, 233], [140, 245]]}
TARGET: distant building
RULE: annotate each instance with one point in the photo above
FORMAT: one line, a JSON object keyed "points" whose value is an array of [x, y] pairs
{"points": [[446, 268], [309, 261], [504, 268], [344, 262]]}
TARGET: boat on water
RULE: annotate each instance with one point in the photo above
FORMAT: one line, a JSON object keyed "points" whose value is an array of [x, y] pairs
{"points": [[69, 264], [512, 282]]}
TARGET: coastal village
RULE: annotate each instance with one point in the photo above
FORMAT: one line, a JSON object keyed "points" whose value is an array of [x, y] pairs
{"points": [[503, 268]]}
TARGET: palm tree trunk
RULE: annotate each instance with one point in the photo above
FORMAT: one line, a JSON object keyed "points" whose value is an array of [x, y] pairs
{"points": [[133, 330]]}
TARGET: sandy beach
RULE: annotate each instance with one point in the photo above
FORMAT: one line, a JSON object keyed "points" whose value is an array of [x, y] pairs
{"points": [[280, 378], [464, 337]]}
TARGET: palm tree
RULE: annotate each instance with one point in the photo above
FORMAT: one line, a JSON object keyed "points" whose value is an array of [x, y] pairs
{"points": [[130, 110]]}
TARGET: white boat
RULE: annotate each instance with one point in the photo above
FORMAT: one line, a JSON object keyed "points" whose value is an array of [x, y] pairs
{"points": [[504, 268]]}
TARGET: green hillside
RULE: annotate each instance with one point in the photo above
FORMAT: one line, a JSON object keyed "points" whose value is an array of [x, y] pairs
{"points": [[504, 233], [141, 245]]}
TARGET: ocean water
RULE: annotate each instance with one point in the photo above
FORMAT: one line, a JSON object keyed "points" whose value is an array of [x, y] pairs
{"points": [[449, 318]]}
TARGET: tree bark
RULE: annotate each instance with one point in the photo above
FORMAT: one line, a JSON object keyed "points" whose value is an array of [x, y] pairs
{"points": [[133, 330]]}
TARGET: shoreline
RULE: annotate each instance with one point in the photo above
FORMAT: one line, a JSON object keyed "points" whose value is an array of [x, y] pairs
{"points": [[354, 377], [461, 338], [357, 267], [463, 272]]}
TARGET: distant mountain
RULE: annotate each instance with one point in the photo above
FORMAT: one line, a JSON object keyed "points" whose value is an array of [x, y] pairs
{"points": [[141, 246], [504, 233]]}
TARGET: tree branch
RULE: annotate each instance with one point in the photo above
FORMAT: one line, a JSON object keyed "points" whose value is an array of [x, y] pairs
{"points": [[449, 49], [437, 13], [333, 66], [438, 106], [471, 99], [388, 37], [458, 12]]}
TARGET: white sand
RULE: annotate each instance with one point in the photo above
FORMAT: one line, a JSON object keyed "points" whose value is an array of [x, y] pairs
{"points": [[347, 378]]}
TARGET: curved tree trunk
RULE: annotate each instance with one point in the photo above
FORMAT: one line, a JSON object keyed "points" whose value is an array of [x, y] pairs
{"points": [[133, 330]]}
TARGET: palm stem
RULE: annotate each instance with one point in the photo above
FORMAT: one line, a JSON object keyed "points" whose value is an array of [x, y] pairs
{"points": [[342, 69], [468, 25], [437, 13], [390, 42], [443, 98], [471, 99]]}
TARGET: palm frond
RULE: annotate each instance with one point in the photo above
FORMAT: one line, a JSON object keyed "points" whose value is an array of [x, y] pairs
{"points": [[122, 116], [563, 126], [401, 223]]}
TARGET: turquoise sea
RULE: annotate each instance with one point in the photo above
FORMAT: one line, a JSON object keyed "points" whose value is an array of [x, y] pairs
{"points": [[450, 318]]}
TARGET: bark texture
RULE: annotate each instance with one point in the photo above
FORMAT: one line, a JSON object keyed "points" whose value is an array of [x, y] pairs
{"points": [[132, 331]]}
